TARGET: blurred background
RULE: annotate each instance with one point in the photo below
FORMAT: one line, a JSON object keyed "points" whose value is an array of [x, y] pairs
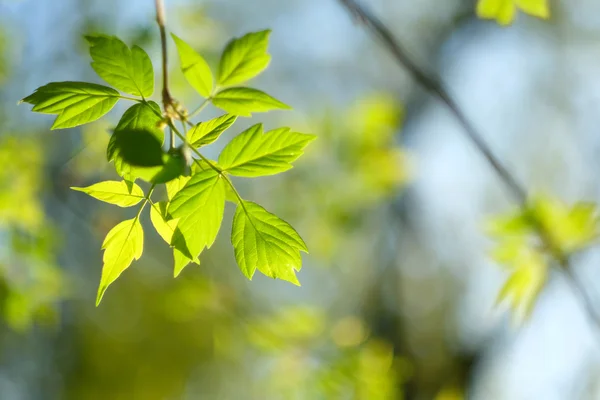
{"points": [[397, 296]]}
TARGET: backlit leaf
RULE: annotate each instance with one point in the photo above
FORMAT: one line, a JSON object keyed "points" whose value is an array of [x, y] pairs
{"points": [[208, 131], [244, 101], [75, 103], [569, 228], [504, 11], [253, 153], [265, 242], [143, 118], [199, 207], [139, 148], [127, 70], [123, 244], [175, 185], [174, 164], [166, 229], [119, 193], [525, 283], [194, 68], [244, 58]]}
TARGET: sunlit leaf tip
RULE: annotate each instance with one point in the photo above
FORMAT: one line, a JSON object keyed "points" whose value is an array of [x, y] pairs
{"points": [[123, 244]]}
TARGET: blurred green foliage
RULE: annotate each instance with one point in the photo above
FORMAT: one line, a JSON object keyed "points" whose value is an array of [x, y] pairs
{"points": [[31, 283]]}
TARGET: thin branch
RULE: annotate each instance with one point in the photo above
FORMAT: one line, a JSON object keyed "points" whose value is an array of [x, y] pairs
{"points": [[166, 95], [435, 87]]}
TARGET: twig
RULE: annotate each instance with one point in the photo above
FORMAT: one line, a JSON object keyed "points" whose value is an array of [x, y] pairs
{"points": [[166, 95], [435, 87]]}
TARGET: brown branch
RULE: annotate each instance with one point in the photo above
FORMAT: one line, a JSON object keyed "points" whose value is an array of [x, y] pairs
{"points": [[166, 95], [436, 88]]}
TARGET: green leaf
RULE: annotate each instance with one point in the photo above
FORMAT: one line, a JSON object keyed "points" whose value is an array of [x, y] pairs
{"points": [[174, 164], [253, 153], [166, 229], [123, 244], [136, 146], [245, 101], [114, 192], [75, 103], [127, 70], [199, 207], [209, 131], [194, 68], [244, 58], [143, 118], [139, 148], [265, 242], [175, 185]]}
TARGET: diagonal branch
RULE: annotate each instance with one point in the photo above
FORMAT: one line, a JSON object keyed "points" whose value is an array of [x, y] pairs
{"points": [[436, 88]]}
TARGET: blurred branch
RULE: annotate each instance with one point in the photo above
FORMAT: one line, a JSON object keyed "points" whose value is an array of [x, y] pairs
{"points": [[436, 88]]}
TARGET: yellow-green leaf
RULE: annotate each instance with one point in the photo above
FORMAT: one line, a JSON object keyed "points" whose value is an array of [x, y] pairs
{"points": [[504, 11], [175, 185], [244, 58], [244, 101], [199, 207], [120, 193], [265, 242], [524, 285], [194, 68], [253, 153], [569, 228], [209, 131], [75, 103], [123, 244], [127, 70], [166, 229]]}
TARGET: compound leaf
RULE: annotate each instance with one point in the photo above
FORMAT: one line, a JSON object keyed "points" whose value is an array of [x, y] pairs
{"points": [[199, 207], [120, 193], [265, 242], [244, 101], [129, 70], [209, 131], [244, 58], [75, 103], [194, 68], [253, 153], [123, 244]]}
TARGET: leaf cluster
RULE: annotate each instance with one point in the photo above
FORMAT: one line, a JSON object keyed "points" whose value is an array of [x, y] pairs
{"points": [[527, 254], [191, 216]]}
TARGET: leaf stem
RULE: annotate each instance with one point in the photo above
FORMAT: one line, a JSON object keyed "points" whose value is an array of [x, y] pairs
{"points": [[436, 88], [211, 165], [200, 107], [132, 99]]}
